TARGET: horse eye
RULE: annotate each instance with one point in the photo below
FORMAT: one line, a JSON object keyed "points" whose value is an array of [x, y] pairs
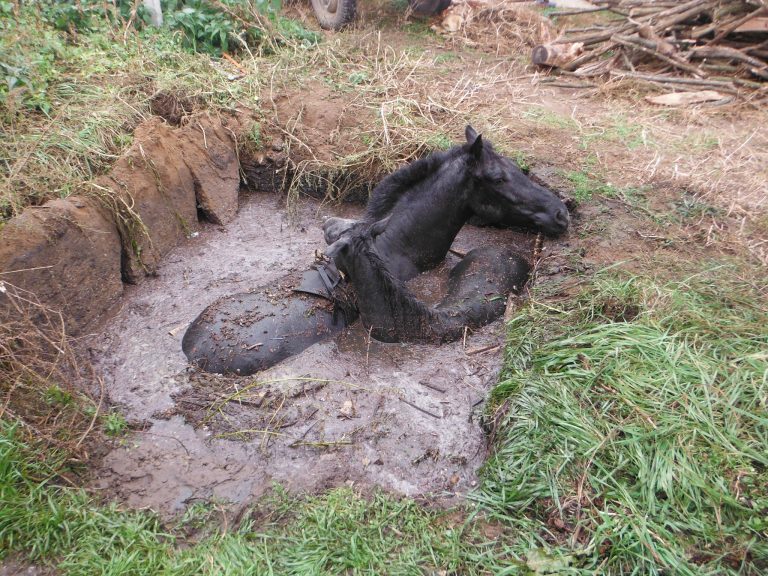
{"points": [[499, 180]]}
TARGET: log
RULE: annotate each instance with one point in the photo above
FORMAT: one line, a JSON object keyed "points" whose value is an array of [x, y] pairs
{"points": [[733, 25], [725, 53], [759, 24], [721, 85], [660, 45], [650, 47], [556, 55]]}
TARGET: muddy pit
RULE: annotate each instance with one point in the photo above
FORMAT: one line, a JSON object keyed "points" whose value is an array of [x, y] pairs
{"points": [[349, 411]]}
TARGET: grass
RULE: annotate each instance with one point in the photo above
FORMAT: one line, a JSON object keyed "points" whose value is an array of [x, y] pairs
{"points": [[69, 104], [630, 423], [115, 424], [633, 426], [585, 185]]}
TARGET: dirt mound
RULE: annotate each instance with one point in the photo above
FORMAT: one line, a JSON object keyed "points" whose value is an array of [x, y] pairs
{"points": [[320, 129], [75, 253], [67, 252]]}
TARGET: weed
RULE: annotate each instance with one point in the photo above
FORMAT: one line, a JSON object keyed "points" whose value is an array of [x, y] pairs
{"points": [[115, 424], [439, 141], [693, 208], [446, 57], [551, 119], [359, 77], [254, 135], [55, 395], [521, 159]]}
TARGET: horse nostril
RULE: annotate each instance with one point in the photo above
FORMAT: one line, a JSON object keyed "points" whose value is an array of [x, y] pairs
{"points": [[561, 217]]}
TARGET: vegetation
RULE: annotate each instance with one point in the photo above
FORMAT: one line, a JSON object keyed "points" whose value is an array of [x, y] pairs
{"points": [[633, 422], [334, 533], [76, 80]]}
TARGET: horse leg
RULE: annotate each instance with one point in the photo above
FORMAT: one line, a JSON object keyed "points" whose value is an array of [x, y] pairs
{"points": [[478, 286]]}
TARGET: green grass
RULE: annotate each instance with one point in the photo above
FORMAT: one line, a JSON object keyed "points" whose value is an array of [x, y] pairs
{"points": [[115, 424], [634, 427], [585, 185], [630, 439], [69, 103], [616, 129], [551, 119]]}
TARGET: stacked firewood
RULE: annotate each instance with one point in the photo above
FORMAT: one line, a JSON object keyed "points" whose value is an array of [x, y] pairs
{"points": [[720, 44]]}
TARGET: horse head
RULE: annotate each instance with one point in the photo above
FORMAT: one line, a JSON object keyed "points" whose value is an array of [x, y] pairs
{"points": [[356, 238], [505, 195]]}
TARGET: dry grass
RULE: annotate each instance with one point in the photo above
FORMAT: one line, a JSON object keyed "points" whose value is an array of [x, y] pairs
{"points": [[394, 97], [42, 380], [501, 28], [404, 95]]}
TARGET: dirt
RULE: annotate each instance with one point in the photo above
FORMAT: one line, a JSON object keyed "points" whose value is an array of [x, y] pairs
{"points": [[75, 253], [406, 418], [347, 411], [19, 566]]}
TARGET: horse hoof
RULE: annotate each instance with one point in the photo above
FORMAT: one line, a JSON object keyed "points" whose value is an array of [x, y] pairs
{"points": [[334, 228]]}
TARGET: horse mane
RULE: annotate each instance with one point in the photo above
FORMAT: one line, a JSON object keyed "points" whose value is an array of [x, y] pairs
{"points": [[389, 191]]}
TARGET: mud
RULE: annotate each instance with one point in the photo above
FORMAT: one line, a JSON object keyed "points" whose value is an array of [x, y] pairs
{"points": [[346, 411]]}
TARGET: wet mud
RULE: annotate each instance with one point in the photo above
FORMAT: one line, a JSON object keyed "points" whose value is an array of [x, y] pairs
{"points": [[349, 410]]}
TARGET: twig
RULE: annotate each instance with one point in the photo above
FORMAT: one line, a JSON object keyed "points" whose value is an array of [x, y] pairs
{"points": [[304, 435], [234, 62], [420, 409], [579, 12], [733, 25], [95, 413], [433, 387], [324, 444], [483, 349], [724, 85]]}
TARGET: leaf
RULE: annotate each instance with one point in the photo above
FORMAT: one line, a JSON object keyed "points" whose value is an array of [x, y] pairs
{"points": [[542, 562]]}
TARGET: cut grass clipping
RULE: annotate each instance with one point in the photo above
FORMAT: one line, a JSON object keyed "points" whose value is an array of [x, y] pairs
{"points": [[633, 426]]}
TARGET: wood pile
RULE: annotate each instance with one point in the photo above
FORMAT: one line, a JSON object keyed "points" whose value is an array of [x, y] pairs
{"points": [[717, 44]]}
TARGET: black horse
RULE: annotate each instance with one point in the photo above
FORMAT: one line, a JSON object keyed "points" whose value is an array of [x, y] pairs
{"points": [[477, 289], [426, 202], [431, 199]]}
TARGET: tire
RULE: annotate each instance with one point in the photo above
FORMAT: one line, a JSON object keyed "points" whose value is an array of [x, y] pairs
{"points": [[334, 14]]}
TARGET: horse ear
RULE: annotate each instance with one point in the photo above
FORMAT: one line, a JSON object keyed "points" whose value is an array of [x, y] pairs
{"points": [[470, 133], [379, 226], [476, 148]]}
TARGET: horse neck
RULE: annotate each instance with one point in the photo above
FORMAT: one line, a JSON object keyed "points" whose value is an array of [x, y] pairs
{"points": [[426, 220], [392, 311], [382, 298], [397, 185]]}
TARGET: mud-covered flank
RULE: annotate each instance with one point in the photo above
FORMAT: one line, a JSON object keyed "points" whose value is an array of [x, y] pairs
{"points": [[349, 410]]}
